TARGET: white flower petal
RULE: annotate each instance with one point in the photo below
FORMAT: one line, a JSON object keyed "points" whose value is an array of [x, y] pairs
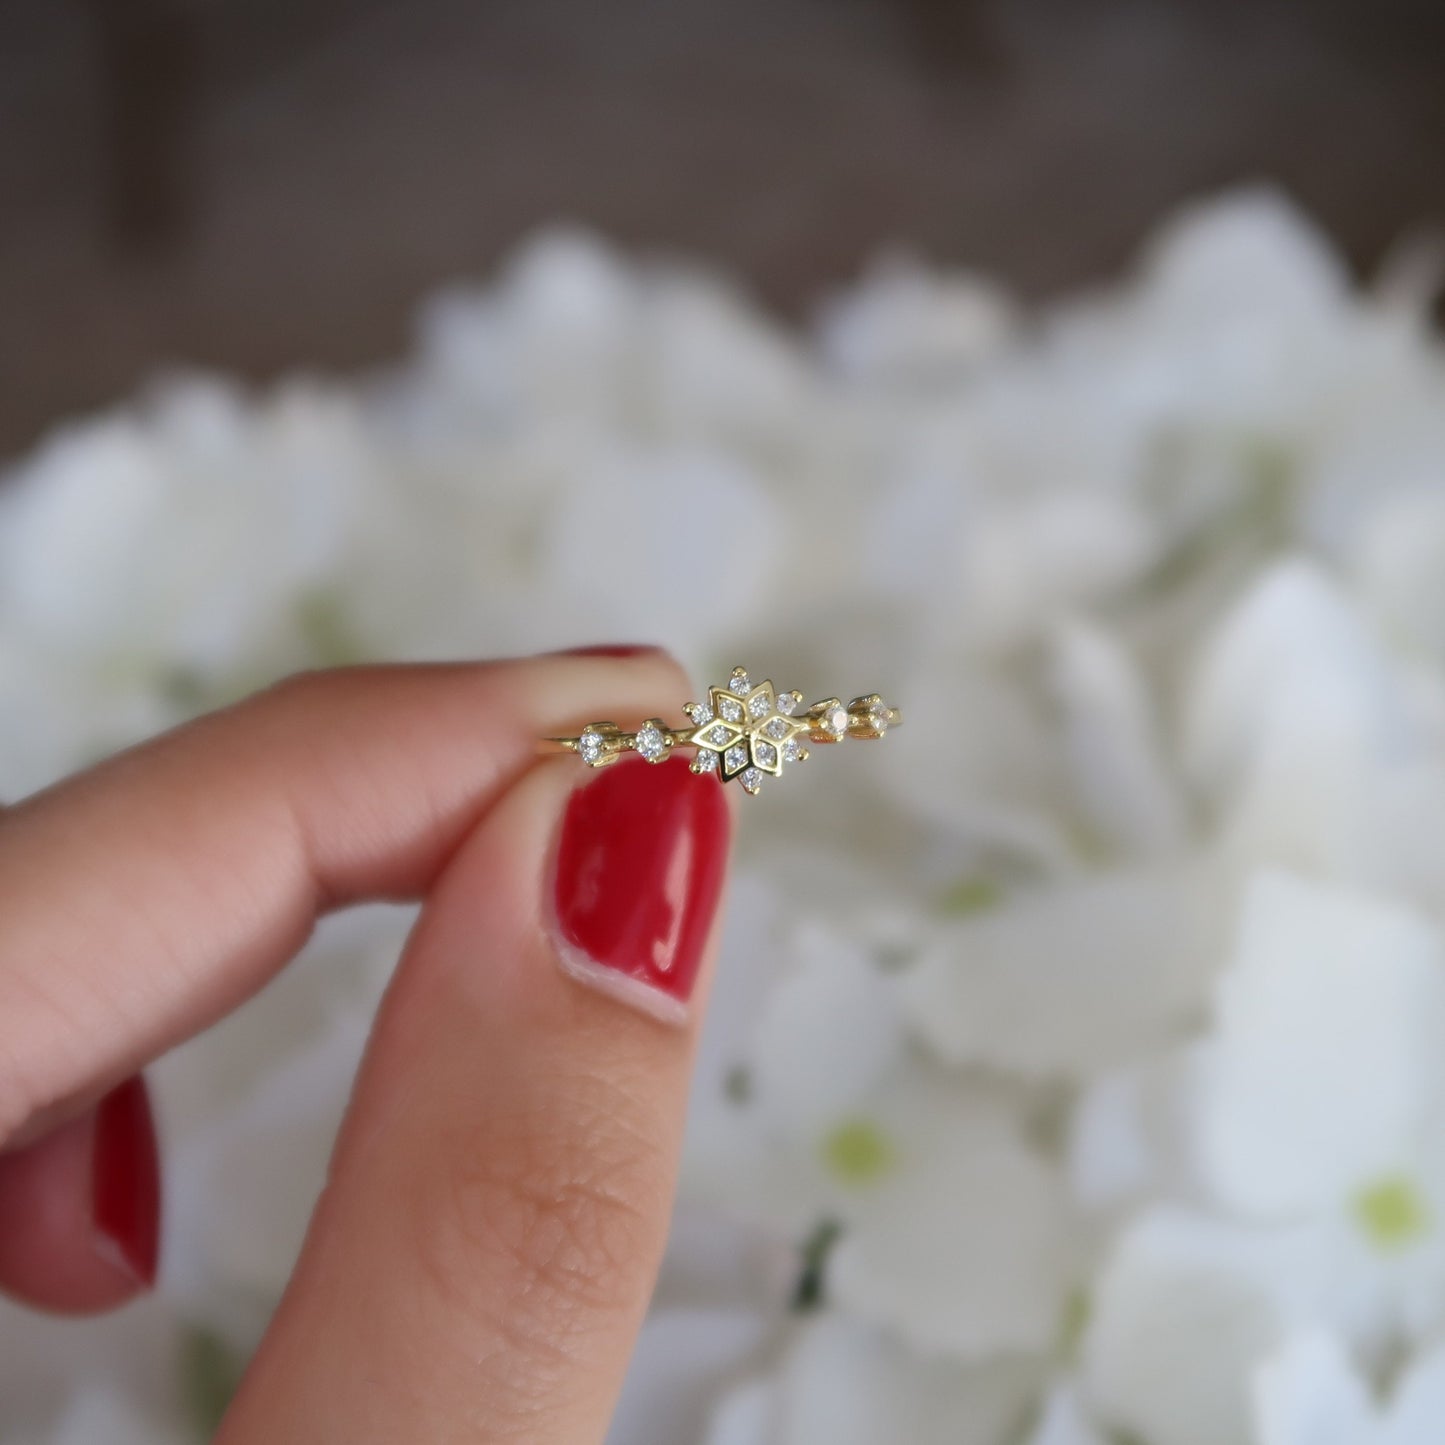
{"points": [[242, 1192], [1130, 1137], [642, 526], [745, 1415], [1417, 1405], [830, 1032], [1400, 567], [905, 326], [714, 1262], [1293, 667], [1111, 739], [1252, 255], [45, 1358], [681, 1360], [849, 1384], [1310, 1394], [1327, 1062], [975, 754], [1065, 1421], [1063, 980], [963, 1246], [99, 1415], [1024, 565], [1185, 1307]]}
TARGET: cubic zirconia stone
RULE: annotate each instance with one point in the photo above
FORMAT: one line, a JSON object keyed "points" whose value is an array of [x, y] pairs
{"points": [[704, 762], [650, 742], [764, 754], [836, 720], [878, 717], [731, 710], [751, 779], [759, 706], [740, 684], [590, 746], [719, 735], [699, 712], [777, 728], [737, 757], [789, 703], [792, 753]]}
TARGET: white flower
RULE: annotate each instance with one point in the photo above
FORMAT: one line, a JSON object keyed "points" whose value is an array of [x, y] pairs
{"points": [[1311, 1394], [1400, 566], [1112, 741], [184, 539], [49, 1365], [1291, 668], [103, 1416], [849, 1384], [904, 326], [951, 1227], [1322, 1100], [1157, 581], [1183, 1310], [249, 1115], [682, 1362], [1131, 1134], [1061, 980], [668, 522], [1065, 1421]]}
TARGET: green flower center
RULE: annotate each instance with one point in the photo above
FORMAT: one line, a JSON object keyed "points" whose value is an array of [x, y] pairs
{"points": [[858, 1151], [1392, 1212]]}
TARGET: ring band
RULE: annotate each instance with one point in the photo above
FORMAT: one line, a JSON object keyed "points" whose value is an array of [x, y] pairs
{"points": [[741, 731]]}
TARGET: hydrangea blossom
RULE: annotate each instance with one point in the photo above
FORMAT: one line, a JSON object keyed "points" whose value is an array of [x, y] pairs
{"points": [[1073, 1072]]}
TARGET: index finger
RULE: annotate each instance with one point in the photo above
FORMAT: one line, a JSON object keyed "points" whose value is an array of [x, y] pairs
{"points": [[141, 901]]}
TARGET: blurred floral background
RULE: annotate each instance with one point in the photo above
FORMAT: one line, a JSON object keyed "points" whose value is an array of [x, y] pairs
{"points": [[1076, 1070]]}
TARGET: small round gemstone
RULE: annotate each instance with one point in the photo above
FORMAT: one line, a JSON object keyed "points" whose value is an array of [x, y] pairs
{"points": [[759, 706], [650, 742], [730, 709], [764, 754], [835, 720], [699, 712], [591, 747], [704, 762], [751, 779], [878, 717], [789, 703], [719, 735], [792, 753], [777, 728], [737, 757], [739, 684]]}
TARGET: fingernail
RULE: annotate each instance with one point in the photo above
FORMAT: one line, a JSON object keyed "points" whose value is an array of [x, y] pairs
{"points": [[641, 858], [126, 1182], [611, 649]]}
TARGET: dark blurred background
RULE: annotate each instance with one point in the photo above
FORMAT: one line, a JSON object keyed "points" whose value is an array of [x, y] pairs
{"points": [[257, 183]]}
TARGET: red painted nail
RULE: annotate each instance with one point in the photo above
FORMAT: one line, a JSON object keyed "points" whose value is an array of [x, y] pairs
{"points": [[641, 859], [611, 649], [125, 1181]]}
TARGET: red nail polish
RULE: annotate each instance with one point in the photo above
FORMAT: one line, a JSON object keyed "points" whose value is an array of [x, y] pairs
{"points": [[641, 859], [125, 1181], [612, 649]]}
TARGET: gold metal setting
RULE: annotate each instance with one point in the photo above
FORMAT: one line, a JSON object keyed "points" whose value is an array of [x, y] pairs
{"points": [[740, 732]]}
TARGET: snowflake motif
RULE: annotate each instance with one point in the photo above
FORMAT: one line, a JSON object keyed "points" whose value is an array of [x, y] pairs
{"points": [[746, 732]]}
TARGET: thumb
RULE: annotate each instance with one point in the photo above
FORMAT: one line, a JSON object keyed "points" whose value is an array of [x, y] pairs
{"points": [[482, 1256]]}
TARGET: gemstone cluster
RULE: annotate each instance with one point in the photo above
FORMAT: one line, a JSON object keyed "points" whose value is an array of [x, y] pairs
{"points": [[742, 731]]}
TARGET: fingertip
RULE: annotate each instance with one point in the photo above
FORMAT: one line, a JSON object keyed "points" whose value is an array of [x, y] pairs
{"points": [[80, 1209]]}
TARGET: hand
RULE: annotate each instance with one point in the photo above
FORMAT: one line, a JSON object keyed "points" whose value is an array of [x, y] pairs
{"points": [[497, 1203]]}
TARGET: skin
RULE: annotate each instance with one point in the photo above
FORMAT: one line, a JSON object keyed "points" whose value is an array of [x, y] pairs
{"points": [[482, 1257]]}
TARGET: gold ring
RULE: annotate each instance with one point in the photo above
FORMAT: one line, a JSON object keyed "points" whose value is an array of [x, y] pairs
{"points": [[742, 731]]}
